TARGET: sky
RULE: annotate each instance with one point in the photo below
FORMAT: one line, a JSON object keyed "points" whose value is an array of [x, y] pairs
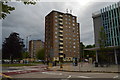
{"points": [[29, 19]]}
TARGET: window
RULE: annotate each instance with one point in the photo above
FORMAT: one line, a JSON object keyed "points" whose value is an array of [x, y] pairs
{"points": [[74, 47], [56, 40], [56, 20], [56, 24], [73, 24], [55, 32], [56, 28], [73, 20], [55, 16], [55, 36], [73, 17], [74, 43]]}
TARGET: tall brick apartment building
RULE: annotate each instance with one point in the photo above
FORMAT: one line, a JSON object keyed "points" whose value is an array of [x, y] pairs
{"points": [[34, 47], [62, 36]]}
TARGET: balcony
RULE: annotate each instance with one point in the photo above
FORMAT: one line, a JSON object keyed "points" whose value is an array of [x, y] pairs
{"points": [[60, 19], [61, 27], [61, 39], [61, 35], [61, 43], [61, 31], [61, 51], [61, 47]]}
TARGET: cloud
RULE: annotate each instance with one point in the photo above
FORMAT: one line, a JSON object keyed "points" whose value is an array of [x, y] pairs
{"points": [[29, 19]]}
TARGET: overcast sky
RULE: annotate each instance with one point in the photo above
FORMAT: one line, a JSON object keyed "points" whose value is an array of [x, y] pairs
{"points": [[29, 19]]}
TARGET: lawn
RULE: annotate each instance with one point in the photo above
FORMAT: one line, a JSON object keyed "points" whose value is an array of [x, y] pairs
{"points": [[16, 65]]}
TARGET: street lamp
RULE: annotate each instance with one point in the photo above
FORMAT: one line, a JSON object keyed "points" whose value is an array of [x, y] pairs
{"points": [[27, 42]]}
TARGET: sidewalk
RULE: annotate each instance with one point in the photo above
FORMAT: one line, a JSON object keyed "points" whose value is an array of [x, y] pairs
{"points": [[87, 67]]}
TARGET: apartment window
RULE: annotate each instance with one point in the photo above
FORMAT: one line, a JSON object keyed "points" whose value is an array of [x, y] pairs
{"points": [[74, 47], [65, 22], [55, 32], [55, 16], [56, 24], [69, 23], [73, 24], [56, 40], [56, 20], [69, 19], [73, 20], [56, 28], [74, 35], [74, 43], [55, 36], [73, 17]]}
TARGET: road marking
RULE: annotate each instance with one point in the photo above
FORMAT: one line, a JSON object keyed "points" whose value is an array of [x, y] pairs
{"points": [[115, 77], [14, 70], [52, 73], [69, 76], [5, 75], [83, 77]]}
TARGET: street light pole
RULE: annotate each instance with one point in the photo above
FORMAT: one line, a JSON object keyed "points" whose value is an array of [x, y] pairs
{"points": [[27, 42]]}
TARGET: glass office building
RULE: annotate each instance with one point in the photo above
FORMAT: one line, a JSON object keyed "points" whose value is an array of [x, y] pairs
{"points": [[110, 17]]}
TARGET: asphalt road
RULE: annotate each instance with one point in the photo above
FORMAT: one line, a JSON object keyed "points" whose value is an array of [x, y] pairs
{"points": [[66, 75]]}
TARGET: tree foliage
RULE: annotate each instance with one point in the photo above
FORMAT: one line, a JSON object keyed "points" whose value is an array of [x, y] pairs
{"points": [[12, 47], [102, 38], [103, 57], [6, 9], [25, 55], [41, 54]]}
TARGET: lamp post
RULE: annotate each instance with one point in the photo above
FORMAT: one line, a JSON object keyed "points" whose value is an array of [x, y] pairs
{"points": [[27, 38]]}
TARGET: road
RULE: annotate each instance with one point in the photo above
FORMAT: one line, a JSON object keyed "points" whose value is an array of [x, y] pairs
{"points": [[39, 72], [60, 74]]}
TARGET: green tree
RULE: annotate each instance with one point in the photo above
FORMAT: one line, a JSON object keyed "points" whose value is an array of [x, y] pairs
{"points": [[12, 47], [103, 57], [82, 47], [6, 9], [41, 54], [88, 53], [25, 55]]}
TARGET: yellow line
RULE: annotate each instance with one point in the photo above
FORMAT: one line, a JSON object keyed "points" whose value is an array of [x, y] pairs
{"points": [[5, 75]]}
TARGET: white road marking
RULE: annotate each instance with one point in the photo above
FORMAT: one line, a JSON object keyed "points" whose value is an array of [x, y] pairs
{"points": [[83, 77], [115, 77], [14, 70], [52, 73], [69, 76]]}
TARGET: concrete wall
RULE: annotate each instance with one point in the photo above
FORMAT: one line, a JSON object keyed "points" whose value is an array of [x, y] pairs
{"points": [[97, 24]]}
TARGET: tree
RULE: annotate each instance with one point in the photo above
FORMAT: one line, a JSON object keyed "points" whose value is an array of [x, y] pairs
{"points": [[82, 47], [12, 47], [102, 38], [41, 54], [103, 57], [25, 55], [88, 54], [6, 9]]}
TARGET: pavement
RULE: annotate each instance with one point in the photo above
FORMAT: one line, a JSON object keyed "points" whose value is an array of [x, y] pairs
{"points": [[86, 67], [23, 69]]}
